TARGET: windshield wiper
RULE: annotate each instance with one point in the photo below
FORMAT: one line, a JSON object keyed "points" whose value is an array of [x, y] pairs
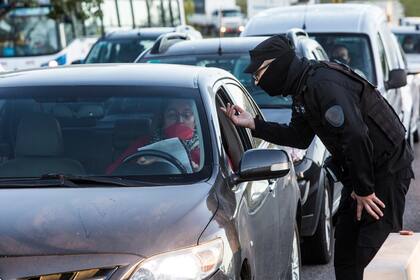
{"points": [[53, 180]]}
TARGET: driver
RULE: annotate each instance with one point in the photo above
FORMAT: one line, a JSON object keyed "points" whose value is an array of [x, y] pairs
{"points": [[341, 54], [177, 120]]}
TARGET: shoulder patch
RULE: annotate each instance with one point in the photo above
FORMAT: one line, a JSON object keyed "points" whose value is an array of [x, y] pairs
{"points": [[335, 116]]}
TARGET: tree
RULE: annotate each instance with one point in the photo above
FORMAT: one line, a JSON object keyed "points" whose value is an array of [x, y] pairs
{"points": [[189, 7], [243, 5], [411, 8]]}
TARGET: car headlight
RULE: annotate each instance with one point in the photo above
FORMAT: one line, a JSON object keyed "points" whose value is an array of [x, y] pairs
{"points": [[193, 263], [223, 29]]}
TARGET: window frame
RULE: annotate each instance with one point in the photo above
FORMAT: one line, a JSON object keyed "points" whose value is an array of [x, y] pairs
{"points": [[227, 98], [255, 142]]}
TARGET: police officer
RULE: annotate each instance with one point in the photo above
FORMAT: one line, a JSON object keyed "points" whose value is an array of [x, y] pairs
{"points": [[359, 128]]}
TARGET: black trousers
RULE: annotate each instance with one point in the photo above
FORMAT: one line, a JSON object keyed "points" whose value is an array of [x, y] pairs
{"points": [[357, 242]]}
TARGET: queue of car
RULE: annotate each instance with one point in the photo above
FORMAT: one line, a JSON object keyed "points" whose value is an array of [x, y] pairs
{"points": [[361, 33], [105, 183]]}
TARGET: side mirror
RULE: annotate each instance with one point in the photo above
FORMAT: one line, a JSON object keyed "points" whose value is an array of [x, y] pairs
{"points": [[77, 61], [262, 164], [397, 79]]}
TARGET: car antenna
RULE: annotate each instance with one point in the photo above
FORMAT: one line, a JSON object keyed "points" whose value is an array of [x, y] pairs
{"points": [[304, 17], [219, 49]]}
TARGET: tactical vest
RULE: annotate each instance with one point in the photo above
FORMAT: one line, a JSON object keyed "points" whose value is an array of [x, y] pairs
{"points": [[386, 130]]}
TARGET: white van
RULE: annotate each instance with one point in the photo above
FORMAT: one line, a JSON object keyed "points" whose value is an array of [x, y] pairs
{"points": [[361, 29]]}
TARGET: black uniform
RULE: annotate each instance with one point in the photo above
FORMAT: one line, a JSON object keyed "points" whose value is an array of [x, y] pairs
{"points": [[366, 140]]}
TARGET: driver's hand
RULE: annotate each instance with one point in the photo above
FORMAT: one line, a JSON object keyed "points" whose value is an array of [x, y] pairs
{"points": [[146, 160], [239, 116], [195, 166]]}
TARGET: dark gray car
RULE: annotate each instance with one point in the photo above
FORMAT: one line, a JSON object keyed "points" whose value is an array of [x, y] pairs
{"points": [[133, 172]]}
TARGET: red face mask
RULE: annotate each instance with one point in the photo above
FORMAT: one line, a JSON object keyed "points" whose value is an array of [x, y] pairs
{"points": [[179, 130]]}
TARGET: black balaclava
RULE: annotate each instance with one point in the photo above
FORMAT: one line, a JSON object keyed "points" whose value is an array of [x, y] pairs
{"points": [[274, 78], [277, 47]]}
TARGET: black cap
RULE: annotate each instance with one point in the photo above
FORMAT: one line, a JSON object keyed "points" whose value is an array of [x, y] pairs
{"points": [[274, 47]]}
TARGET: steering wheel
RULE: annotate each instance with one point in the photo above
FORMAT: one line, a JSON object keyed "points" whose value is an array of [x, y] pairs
{"points": [[160, 154]]}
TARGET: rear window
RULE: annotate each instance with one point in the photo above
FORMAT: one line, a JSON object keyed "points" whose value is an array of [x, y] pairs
{"points": [[118, 51], [142, 132], [352, 49]]}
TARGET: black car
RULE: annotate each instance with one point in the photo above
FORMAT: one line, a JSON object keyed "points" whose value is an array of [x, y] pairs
{"points": [[133, 172], [319, 196], [122, 46]]}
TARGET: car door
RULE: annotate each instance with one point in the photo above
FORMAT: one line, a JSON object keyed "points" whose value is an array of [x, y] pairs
{"points": [[388, 63], [270, 211]]}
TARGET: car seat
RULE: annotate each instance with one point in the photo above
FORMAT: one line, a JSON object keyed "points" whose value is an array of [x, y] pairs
{"points": [[127, 132], [39, 150]]}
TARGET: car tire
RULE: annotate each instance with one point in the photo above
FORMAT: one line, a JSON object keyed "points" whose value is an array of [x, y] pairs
{"points": [[317, 249], [295, 265], [416, 136]]}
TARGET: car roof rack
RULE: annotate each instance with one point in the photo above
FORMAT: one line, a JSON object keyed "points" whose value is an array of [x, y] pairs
{"points": [[164, 41], [294, 33]]}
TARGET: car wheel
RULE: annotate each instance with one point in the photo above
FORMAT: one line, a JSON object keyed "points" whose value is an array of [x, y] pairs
{"points": [[416, 136], [318, 248], [295, 265]]}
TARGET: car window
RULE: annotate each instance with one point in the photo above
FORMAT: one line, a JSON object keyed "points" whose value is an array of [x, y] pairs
{"points": [[384, 59], [352, 49], [118, 51], [410, 42], [232, 142], [102, 131], [240, 98]]}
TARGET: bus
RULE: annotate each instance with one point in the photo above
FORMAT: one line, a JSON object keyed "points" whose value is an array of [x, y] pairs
{"points": [[30, 37]]}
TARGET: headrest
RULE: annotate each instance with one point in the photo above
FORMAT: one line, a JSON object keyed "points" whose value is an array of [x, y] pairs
{"points": [[126, 131], [62, 111], [38, 136]]}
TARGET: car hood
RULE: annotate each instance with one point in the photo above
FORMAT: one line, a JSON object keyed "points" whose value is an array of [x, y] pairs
{"points": [[280, 115], [143, 221]]}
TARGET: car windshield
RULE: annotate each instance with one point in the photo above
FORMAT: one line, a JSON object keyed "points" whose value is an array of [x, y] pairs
{"points": [[28, 32], [409, 42], [103, 131], [233, 63], [231, 13], [118, 51], [353, 50]]}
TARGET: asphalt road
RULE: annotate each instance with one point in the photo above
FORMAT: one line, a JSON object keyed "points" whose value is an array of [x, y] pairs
{"points": [[411, 221]]}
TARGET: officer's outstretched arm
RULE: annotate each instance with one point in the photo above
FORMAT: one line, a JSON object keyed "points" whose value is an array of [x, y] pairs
{"points": [[297, 134], [341, 117]]}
